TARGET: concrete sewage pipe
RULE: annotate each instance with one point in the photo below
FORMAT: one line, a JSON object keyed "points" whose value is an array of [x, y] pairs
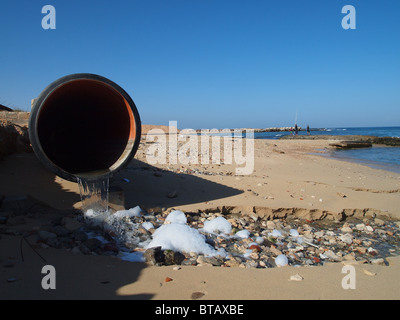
{"points": [[84, 126]]}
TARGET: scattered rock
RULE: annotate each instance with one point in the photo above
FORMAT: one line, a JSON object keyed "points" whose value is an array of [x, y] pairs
{"points": [[71, 224], [80, 236], [281, 260], [19, 204], [46, 235], [379, 222], [3, 219], [379, 261], [92, 244], [60, 231], [8, 264], [196, 295], [154, 255], [173, 257], [172, 194], [298, 242], [296, 277], [369, 273], [15, 221], [346, 228]]}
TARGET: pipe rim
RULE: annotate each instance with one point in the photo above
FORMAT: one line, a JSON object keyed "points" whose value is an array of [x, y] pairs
{"points": [[47, 92]]}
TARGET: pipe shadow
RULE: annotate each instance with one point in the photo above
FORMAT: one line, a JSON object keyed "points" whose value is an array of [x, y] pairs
{"points": [[150, 187], [33, 199]]}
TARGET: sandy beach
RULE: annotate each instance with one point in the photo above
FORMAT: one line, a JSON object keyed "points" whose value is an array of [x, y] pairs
{"points": [[290, 178]]}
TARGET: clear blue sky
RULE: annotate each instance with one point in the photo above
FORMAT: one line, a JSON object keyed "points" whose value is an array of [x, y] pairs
{"points": [[215, 63]]}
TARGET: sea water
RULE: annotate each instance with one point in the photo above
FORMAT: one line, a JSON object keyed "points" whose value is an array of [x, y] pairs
{"points": [[386, 158], [364, 131], [381, 157]]}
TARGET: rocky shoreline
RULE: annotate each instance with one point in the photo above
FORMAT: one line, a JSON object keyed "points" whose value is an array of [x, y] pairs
{"points": [[388, 141]]}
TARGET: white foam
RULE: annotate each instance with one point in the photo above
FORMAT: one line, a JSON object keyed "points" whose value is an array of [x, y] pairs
{"points": [[219, 224], [135, 256], [176, 216], [147, 225], [244, 234], [133, 212], [182, 238]]}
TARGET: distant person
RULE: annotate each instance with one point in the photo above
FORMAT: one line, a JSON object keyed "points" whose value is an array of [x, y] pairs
{"points": [[296, 129], [308, 130]]}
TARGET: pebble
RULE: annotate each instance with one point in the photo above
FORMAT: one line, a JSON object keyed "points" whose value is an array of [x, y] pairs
{"points": [[71, 224], [46, 235], [296, 277], [369, 273], [196, 295], [281, 261], [378, 261], [172, 194]]}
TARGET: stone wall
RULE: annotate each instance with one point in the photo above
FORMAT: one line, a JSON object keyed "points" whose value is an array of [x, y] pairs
{"points": [[16, 117], [13, 138]]}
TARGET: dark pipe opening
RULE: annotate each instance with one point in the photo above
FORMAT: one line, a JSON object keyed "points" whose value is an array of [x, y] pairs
{"points": [[85, 126]]}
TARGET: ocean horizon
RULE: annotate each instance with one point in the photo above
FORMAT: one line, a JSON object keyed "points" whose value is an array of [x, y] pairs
{"points": [[390, 131]]}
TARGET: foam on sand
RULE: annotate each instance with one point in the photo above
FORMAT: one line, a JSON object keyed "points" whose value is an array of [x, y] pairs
{"points": [[178, 236], [218, 225], [181, 237]]}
